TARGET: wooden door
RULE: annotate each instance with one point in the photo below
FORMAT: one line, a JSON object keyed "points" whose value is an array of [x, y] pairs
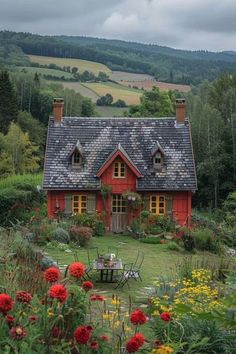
{"points": [[119, 216]]}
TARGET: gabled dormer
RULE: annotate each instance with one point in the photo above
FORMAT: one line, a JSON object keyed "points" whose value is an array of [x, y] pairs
{"points": [[77, 156], [158, 155]]}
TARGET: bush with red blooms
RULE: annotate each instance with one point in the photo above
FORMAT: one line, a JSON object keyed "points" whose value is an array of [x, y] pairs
{"points": [[82, 334], [9, 319], [52, 274], [58, 292], [76, 270], [137, 317], [33, 318], [165, 316], [94, 345], [6, 303], [23, 297], [87, 285]]}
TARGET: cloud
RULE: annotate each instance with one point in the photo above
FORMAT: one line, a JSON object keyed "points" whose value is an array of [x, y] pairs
{"points": [[192, 24]]}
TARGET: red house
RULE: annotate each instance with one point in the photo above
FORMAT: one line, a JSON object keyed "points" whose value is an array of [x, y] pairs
{"points": [[149, 156]]}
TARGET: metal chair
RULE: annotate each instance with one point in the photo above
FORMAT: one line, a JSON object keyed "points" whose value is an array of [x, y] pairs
{"points": [[137, 266], [127, 274]]}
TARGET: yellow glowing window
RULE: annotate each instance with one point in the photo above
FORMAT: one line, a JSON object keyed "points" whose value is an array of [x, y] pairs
{"points": [[118, 204], [119, 169], [79, 204], [157, 204]]}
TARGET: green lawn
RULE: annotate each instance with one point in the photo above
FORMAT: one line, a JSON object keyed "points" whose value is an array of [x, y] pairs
{"points": [[158, 261]]}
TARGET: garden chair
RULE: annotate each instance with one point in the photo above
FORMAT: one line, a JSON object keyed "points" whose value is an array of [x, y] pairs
{"points": [[93, 254], [137, 266], [127, 274]]}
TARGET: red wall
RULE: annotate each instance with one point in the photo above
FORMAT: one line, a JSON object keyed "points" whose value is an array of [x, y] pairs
{"points": [[181, 202]]}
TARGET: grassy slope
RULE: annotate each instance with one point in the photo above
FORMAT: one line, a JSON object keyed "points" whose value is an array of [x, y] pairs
{"points": [[82, 65], [158, 261], [130, 96], [106, 111], [10, 181], [44, 71], [80, 88]]}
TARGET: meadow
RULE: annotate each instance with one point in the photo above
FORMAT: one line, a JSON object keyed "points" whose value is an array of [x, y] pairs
{"points": [[82, 65], [44, 72], [130, 96]]}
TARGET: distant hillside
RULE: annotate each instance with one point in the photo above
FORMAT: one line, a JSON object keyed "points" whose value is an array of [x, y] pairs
{"points": [[166, 64]]}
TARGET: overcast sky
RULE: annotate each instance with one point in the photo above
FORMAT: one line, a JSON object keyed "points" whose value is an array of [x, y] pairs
{"points": [[188, 24]]}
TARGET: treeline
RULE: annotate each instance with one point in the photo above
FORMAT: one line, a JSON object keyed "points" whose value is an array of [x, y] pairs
{"points": [[212, 113], [25, 106], [164, 63]]}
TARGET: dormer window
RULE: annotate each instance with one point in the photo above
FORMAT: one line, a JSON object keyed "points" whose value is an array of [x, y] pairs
{"points": [[119, 169], [158, 155], [157, 160], [76, 159]]}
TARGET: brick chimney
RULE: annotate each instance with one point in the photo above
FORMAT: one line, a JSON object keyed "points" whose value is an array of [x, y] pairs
{"points": [[180, 111], [58, 104]]}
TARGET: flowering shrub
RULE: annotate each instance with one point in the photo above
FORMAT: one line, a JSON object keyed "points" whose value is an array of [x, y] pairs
{"points": [[192, 314], [81, 234]]}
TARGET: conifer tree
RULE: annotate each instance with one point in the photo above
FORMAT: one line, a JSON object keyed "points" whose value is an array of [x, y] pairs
{"points": [[8, 102]]}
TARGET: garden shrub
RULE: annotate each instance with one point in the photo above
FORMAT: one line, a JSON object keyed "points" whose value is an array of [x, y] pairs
{"points": [[154, 229], [81, 234], [61, 235], [165, 223], [205, 240], [135, 229], [92, 221], [173, 246], [151, 240], [188, 240]]}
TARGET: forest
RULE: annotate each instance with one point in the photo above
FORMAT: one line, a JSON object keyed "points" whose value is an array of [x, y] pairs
{"points": [[166, 64]]}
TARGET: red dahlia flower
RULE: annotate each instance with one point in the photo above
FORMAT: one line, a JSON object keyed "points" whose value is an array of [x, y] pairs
{"points": [[23, 297], [137, 317], [9, 319], [95, 297], [51, 274], [132, 346], [139, 338], [82, 335], [56, 332], [58, 292], [89, 328], [87, 285], [94, 345], [6, 303], [76, 270], [165, 316], [17, 332]]}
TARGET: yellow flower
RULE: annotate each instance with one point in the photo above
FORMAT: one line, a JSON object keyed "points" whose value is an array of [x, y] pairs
{"points": [[163, 349], [50, 312]]}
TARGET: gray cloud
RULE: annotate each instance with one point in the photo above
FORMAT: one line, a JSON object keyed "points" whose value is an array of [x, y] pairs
{"points": [[192, 24]]}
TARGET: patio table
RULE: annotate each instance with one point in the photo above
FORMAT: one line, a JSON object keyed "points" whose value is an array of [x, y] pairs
{"points": [[107, 271]]}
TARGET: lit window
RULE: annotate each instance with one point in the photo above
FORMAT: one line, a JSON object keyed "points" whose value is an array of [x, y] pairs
{"points": [[118, 204], [119, 169], [76, 159], [79, 204], [157, 204]]}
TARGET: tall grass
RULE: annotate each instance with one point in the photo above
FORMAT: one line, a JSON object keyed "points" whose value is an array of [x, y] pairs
{"points": [[34, 179]]}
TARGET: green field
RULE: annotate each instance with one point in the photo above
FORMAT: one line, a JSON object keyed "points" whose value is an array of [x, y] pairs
{"points": [[44, 71], [82, 65], [109, 111], [126, 76], [82, 89], [129, 95]]}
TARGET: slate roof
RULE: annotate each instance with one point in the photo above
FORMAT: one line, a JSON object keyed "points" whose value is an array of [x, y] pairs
{"points": [[99, 137]]}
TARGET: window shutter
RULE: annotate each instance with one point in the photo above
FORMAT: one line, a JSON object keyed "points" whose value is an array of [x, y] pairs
{"points": [[91, 207], [68, 205], [169, 205], [146, 202]]}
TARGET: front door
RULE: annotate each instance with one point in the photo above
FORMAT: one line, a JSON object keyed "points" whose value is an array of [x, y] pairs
{"points": [[118, 213]]}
